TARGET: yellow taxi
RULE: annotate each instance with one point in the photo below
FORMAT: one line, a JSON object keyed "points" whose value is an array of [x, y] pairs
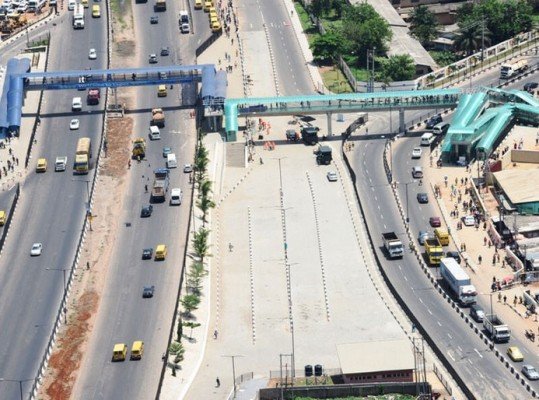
{"points": [[2, 217], [96, 11], [41, 165], [198, 4], [162, 91], [160, 252], [119, 352], [216, 26], [85, 3], [212, 10], [137, 350], [213, 20], [514, 353], [207, 5]]}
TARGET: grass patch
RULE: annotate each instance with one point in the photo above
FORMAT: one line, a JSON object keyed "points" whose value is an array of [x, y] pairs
{"points": [[335, 80], [308, 28]]}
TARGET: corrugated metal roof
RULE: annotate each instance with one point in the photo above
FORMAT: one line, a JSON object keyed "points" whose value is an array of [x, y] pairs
{"points": [[518, 184]]}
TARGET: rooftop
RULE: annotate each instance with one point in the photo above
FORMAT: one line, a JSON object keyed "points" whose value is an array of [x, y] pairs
{"points": [[364, 357], [516, 184]]}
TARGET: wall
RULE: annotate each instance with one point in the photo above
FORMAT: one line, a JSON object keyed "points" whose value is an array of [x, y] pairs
{"points": [[378, 377], [525, 156]]}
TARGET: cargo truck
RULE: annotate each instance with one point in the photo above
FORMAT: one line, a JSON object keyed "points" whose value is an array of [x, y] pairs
{"points": [[160, 185], [158, 117], [497, 330], [458, 281], [160, 5], [78, 17], [323, 156], [309, 134], [393, 245], [510, 69], [434, 251], [139, 148], [93, 97], [82, 156]]}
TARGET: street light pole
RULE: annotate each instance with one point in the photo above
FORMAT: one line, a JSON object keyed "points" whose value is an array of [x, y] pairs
{"points": [[232, 357], [20, 383], [407, 215], [65, 286]]}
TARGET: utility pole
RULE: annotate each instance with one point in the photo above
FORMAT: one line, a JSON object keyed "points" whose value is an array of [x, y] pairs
{"points": [[370, 68], [233, 357]]}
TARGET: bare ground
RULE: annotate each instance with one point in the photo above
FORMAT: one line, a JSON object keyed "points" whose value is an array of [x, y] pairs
{"points": [[72, 341]]}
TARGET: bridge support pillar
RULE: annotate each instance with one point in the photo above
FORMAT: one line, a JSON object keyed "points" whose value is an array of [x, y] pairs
{"points": [[402, 125], [328, 116]]}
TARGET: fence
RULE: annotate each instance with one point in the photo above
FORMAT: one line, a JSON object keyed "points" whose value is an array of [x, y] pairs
{"points": [[9, 217]]}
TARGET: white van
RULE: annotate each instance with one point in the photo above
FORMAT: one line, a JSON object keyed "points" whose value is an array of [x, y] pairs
{"points": [[441, 128], [71, 5], [417, 172], [427, 139], [76, 105], [155, 133], [171, 160], [176, 196]]}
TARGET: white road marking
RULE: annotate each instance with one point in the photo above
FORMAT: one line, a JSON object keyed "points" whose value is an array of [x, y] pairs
{"points": [[478, 353], [438, 322], [405, 278], [421, 301], [450, 337], [450, 356]]}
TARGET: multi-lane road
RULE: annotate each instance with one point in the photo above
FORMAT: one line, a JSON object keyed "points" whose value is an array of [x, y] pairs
{"points": [[51, 211]]}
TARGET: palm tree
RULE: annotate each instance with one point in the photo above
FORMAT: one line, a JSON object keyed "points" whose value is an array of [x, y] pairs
{"points": [[200, 243], [205, 188], [471, 37], [191, 325], [204, 204], [190, 303]]}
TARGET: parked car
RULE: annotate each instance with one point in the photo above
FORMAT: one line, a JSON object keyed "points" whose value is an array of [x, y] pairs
{"points": [[468, 220], [434, 120], [422, 198], [477, 313], [435, 222], [530, 372]]}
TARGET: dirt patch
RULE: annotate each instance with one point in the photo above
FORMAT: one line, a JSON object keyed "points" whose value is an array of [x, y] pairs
{"points": [[118, 147], [67, 360]]}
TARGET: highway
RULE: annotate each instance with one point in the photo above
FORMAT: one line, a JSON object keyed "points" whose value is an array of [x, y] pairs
{"points": [[51, 211], [124, 316], [469, 356]]}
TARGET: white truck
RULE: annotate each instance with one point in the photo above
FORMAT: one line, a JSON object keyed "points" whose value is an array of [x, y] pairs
{"points": [[458, 281], [393, 245], [60, 164], [497, 330], [78, 16], [510, 69]]}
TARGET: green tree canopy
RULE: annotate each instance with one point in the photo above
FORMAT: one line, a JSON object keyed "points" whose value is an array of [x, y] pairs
{"points": [[398, 68], [326, 47], [363, 29], [471, 37], [423, 25]]}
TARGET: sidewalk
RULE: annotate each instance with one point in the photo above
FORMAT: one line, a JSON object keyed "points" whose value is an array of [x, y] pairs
{"points": [[486, 263]]}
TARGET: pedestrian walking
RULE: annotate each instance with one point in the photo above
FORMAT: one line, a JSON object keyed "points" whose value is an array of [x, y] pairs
{"points": [[217, 382], [499, 297], [146, 188], [215, 333], [504, 299], [479, 259], [230, 247], [484, 241], [494, 260]]}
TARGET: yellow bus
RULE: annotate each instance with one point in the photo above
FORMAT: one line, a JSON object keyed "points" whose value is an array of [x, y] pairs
{"points": [[83, 155], [96, 11]]}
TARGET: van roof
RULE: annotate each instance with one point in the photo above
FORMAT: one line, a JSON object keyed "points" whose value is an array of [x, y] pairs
{"points": [[119, 346], [160, 247], [137, 345]]}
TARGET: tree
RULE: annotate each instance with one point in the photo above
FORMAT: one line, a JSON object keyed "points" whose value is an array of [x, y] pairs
{"points": [[204, 188], [196, 272], [204, 204], [176, 349], [423, 25], [326, 47], [471, 37], [200, 243], [191, 325], [190, 302], [364, 30], [201, 162], [398, 68], [316, 7]]}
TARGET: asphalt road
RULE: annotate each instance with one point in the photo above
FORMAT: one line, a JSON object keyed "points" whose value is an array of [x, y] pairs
{"points": [[470, 357], [51, 211], [124, 315]]}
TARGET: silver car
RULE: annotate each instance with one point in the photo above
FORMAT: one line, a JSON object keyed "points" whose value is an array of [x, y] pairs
{"points": [[530, 372]]}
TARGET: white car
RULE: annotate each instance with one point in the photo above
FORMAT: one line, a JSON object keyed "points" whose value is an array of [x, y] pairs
{"points": [[36, 249], [332, 176], [416, 152], [187, 168], [74, 124], [92, 55], [468, 220]]}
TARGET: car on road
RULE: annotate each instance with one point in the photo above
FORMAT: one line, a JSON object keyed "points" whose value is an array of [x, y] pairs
{"points": [[146, 211], [60, 163], [416, 152], [468, 220], [119, 352], [515, 354], [74, 124], [184, 27], [434, 120], [165, 51], [162, 91], [36, 250], [198, 4], [147, 253], [3, 217], [166, 151], [154, 19], [76, 104], [453, 254], [332, 176], [215, 26], [422, 198], [424, 235], [187, 168], [477, 313], [147, 291], [41, 165], [530, 372], [176, 196], [137, 349], [435, 222], [531, 86], [152, 59], [92, 54]]}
